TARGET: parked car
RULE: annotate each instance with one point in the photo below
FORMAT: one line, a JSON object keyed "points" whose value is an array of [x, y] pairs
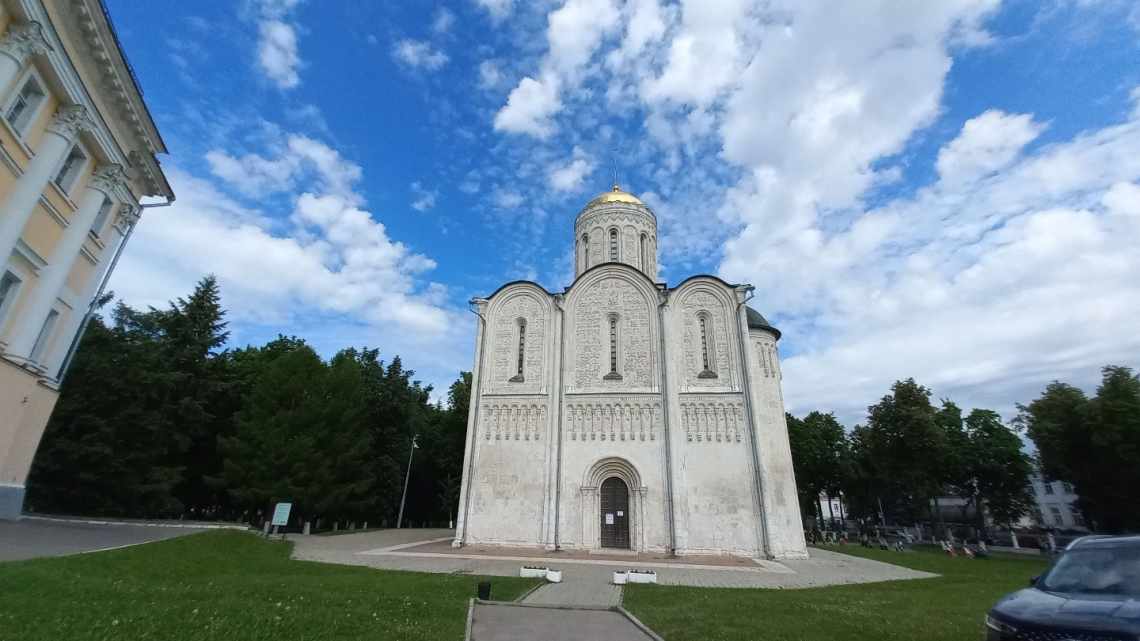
{"points": [[1091, 593]]}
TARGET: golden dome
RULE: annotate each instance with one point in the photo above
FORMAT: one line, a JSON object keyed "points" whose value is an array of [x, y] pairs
{"points": [[616, 195]]}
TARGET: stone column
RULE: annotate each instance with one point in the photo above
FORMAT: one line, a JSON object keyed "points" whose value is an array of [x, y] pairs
{"points": [[52, 278], [20, 41], [54, 145], [125, 218]]}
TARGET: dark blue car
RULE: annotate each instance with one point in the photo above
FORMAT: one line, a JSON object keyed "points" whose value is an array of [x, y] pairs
{"points": [[1091, 593]]}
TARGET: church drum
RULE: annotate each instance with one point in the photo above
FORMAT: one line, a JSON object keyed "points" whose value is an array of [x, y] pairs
{"points": [[615, 514]]}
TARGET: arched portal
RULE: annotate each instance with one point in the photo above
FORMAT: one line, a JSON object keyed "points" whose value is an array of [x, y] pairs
{"points": [[615, 514], [612, 490]]}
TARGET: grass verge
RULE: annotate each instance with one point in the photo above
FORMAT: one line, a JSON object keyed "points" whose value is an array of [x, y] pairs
{"points": [[947, 608], [229, 585]]}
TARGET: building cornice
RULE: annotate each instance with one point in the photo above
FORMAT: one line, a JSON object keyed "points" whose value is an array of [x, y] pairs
{"points": [[126, 100]]}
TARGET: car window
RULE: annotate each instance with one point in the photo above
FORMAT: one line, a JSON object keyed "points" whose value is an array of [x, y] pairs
{"points": [[1096, 570]]}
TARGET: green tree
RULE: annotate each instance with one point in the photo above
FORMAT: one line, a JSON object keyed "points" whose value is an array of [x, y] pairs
{"points": [[270, 456], [1072, 431], [899, 448], [819, 456], [193, 333], [107, 448], [998, 468]]}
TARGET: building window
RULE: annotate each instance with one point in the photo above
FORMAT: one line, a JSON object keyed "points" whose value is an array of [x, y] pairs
{"points": [[585, 251], [613, 245], [9, 287], [69, 170], [25, 105], [1048, 487], [1078, 518], [1067, 486], [518, 377], [645, 253], [708, 356], [1057, 518], [613, 375], [44, 335], [101, 217]]}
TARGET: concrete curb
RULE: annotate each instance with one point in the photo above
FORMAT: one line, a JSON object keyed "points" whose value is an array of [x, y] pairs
{"points": [[185, 526], [470, 618], [529, 592], [637, 622]]}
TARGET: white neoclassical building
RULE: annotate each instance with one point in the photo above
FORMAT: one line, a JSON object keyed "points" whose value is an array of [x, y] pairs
{"points": [[624, 413]]}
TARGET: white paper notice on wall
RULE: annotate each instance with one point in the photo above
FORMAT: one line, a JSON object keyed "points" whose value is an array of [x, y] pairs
{"points": [[609, 519], [620, 513]]}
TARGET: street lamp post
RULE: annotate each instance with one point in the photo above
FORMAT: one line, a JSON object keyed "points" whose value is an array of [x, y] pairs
{"points": [[407, 476]]}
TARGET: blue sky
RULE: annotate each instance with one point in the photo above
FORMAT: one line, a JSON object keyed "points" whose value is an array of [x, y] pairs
{"points": [[946, 191]]}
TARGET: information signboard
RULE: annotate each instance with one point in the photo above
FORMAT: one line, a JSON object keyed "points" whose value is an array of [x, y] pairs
{"points": [[281, 513]]}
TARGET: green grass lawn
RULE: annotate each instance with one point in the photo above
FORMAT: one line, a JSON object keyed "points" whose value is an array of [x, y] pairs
{"points": [[948, 608], [229, 585]]}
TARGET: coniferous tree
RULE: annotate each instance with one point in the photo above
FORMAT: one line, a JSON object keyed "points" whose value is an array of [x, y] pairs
{"points": [[269, 457], [107, 448]]}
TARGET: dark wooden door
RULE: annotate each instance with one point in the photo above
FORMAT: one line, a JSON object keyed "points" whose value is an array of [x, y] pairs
{"points": [[615, 514]]}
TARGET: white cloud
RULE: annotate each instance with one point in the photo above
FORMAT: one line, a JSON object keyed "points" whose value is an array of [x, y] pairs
{"points": [[987, 144], [300, 157], [568, 176], [277, 53], [574, 32], [490, 76], [423, 199], [985, 290], [498, 9], [443, 21], [419, 54], [706, 56], [530, 108], [507, 198], [335, 258]]}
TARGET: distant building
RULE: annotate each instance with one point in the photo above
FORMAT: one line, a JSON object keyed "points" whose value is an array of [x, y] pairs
{"points": [[832, 507], [77, 153], [1056, 505]]}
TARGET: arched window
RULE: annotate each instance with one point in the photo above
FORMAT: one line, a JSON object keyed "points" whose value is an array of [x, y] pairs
{"points": [[708, 350], [518, 377], [613, 375], [644, 253], [613, 245], [585, 251]]}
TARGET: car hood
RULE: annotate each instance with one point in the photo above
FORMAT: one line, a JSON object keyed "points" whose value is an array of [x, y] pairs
{"points": [[1081, 611]]}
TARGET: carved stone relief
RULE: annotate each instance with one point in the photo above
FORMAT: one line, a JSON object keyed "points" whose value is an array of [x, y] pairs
{"points": [[767, 358], [513, 420], [720, 352], [505, 345], [708, 418], [613, 419], [591, 353]]}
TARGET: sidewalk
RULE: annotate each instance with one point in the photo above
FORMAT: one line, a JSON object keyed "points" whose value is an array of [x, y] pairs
{"points": [[514, 622]]}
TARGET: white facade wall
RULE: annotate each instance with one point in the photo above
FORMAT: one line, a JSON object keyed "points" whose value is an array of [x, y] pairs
{"points": [[696, 434]]}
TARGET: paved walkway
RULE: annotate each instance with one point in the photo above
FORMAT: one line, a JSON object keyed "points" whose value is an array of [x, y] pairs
{"points": [[397, 550], [506, 622], [30, 538]]}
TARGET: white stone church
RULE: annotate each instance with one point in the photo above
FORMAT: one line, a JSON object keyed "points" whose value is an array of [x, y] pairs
{"points": [[626, 414]]}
